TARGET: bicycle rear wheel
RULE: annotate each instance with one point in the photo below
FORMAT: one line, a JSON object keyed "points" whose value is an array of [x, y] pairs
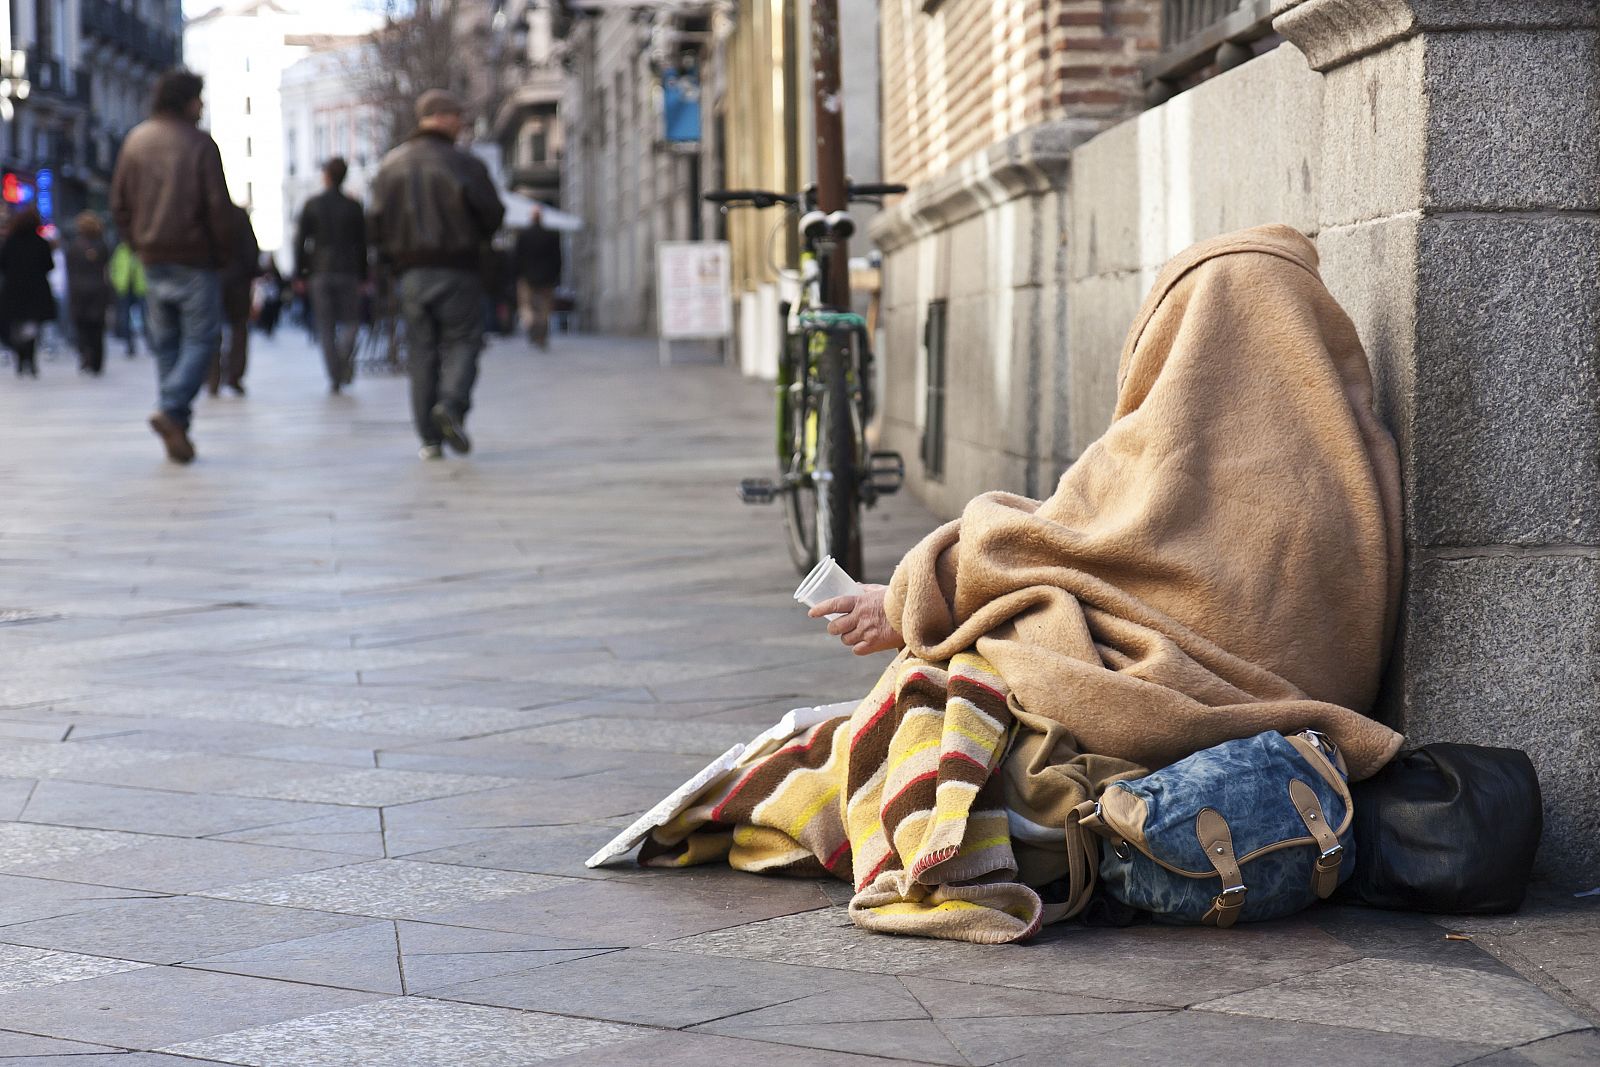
{"points": [[837, 477], [795, 442]]}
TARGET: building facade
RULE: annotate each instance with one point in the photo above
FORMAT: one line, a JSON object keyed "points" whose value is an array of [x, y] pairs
{"points": [[87, 67], [45, 146], [126, 45], [326, 113], [524, 113], [628, 194], [635, 175], [242, 50]]}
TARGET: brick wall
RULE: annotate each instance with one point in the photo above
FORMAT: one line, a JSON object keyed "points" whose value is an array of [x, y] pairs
{"points": [[1096, 47], [969, 73]]}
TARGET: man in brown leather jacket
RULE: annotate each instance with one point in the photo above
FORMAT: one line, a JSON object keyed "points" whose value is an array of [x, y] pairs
{"points": [[430, 211], [170, 202]]}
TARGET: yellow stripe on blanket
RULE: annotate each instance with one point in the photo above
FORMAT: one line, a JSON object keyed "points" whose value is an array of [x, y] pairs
{"points": [[902, 802]]}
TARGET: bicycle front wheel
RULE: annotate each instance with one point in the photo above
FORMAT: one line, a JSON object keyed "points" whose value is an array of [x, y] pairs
{"points": [[837, 477], [796, 446]]}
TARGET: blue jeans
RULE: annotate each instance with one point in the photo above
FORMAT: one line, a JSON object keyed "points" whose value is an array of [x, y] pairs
{"points": [[183, 308]]}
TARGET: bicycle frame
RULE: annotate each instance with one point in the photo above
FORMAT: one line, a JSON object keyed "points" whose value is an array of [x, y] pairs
{"points": [[825, 395]]}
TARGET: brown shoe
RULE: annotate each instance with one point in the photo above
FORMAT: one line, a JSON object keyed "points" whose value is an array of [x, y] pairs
{"points": [[179, 448]]}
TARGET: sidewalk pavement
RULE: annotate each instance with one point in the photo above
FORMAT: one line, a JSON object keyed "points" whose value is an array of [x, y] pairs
{"points": [[302, 749]]}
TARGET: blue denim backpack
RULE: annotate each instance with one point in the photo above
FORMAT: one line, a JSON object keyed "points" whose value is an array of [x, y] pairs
{"points": [[1251, 829]]}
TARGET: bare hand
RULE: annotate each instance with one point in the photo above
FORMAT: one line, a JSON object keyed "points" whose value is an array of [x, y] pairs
{"points": [[863, 625]]}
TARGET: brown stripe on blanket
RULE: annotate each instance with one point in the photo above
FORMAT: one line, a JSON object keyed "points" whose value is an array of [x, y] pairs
{"points": [[811, 752]]}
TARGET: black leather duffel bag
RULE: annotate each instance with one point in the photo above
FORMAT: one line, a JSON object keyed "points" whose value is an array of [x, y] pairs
{"points": [[1446, 828]]}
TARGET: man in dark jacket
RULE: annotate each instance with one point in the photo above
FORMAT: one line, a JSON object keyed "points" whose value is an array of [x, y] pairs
{"points": [[431, 210], [238, 275], [170, 202], [538, 259], [331, 260]]}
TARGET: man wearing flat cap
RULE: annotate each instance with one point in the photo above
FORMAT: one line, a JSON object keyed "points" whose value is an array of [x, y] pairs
{"points": [[431, 209]]}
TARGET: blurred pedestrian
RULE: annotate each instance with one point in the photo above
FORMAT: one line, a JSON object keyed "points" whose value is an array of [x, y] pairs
{"points": [[432, 209], [330, 266], [65, 327], [27, 302], [238, 276], [170, 201], [538, 259], [127, 282], [268, 296], [89, 290]]}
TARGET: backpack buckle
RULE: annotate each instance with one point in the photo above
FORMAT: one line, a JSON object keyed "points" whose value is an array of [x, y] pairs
{"points": [[1225, 907]]}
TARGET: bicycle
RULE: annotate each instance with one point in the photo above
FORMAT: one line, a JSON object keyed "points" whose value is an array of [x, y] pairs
{"points": [[381, 340], [826, 471]]}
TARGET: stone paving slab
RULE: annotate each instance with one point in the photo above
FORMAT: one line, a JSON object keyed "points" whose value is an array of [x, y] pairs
{"points": [[656, 988], [302, 748], [24, 968], [1580, 1049], [15, 1046], [410, 1033], [394, 889], [156, 1006], [152, 811], [364, 957], [1440, 1002], [173, 929], [181, 865], [1199, 1040], [25, 899]]}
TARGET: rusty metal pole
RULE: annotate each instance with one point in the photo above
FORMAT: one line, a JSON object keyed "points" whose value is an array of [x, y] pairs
{"points": [[828, 121]]}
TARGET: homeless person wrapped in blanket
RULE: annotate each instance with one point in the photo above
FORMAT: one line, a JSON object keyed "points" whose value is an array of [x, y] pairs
{"points": [[1224, 560]]}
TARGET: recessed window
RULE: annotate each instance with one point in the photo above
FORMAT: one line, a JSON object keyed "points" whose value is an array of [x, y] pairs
{"points": [[247, 105], [933, 342]]}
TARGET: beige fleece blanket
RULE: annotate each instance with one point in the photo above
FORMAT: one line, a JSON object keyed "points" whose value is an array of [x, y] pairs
{"points": [[1224, 560]]}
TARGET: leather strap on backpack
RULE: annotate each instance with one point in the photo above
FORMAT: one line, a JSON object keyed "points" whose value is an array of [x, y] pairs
{"points": [[1325, 875], [1217, 840]]}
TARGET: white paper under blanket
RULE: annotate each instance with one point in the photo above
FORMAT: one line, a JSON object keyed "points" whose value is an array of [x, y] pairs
{"points": [[684, 797]]}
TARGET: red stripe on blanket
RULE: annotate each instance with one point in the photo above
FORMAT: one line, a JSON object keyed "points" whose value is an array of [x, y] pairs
{"points": [[870, 723], [838, 854], [963, 755], [870, 878]]}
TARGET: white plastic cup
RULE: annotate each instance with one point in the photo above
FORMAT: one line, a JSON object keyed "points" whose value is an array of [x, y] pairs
{"points": [[826, 581]]}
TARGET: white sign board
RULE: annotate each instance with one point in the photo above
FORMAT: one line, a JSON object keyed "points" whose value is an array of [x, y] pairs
{"points": [[694, 289]]}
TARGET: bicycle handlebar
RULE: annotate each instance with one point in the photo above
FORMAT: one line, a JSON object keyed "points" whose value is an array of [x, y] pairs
{"points": [[876, 189], [766, 198], [754, 197]]}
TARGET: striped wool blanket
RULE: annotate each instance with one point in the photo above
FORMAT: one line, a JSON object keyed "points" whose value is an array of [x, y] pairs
{"points": [[901, 797]]}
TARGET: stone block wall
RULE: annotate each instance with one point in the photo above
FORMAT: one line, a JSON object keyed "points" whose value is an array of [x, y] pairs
{"points": [[1241, 149], [1445, 155], [1460, 224], [987, 240]]}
